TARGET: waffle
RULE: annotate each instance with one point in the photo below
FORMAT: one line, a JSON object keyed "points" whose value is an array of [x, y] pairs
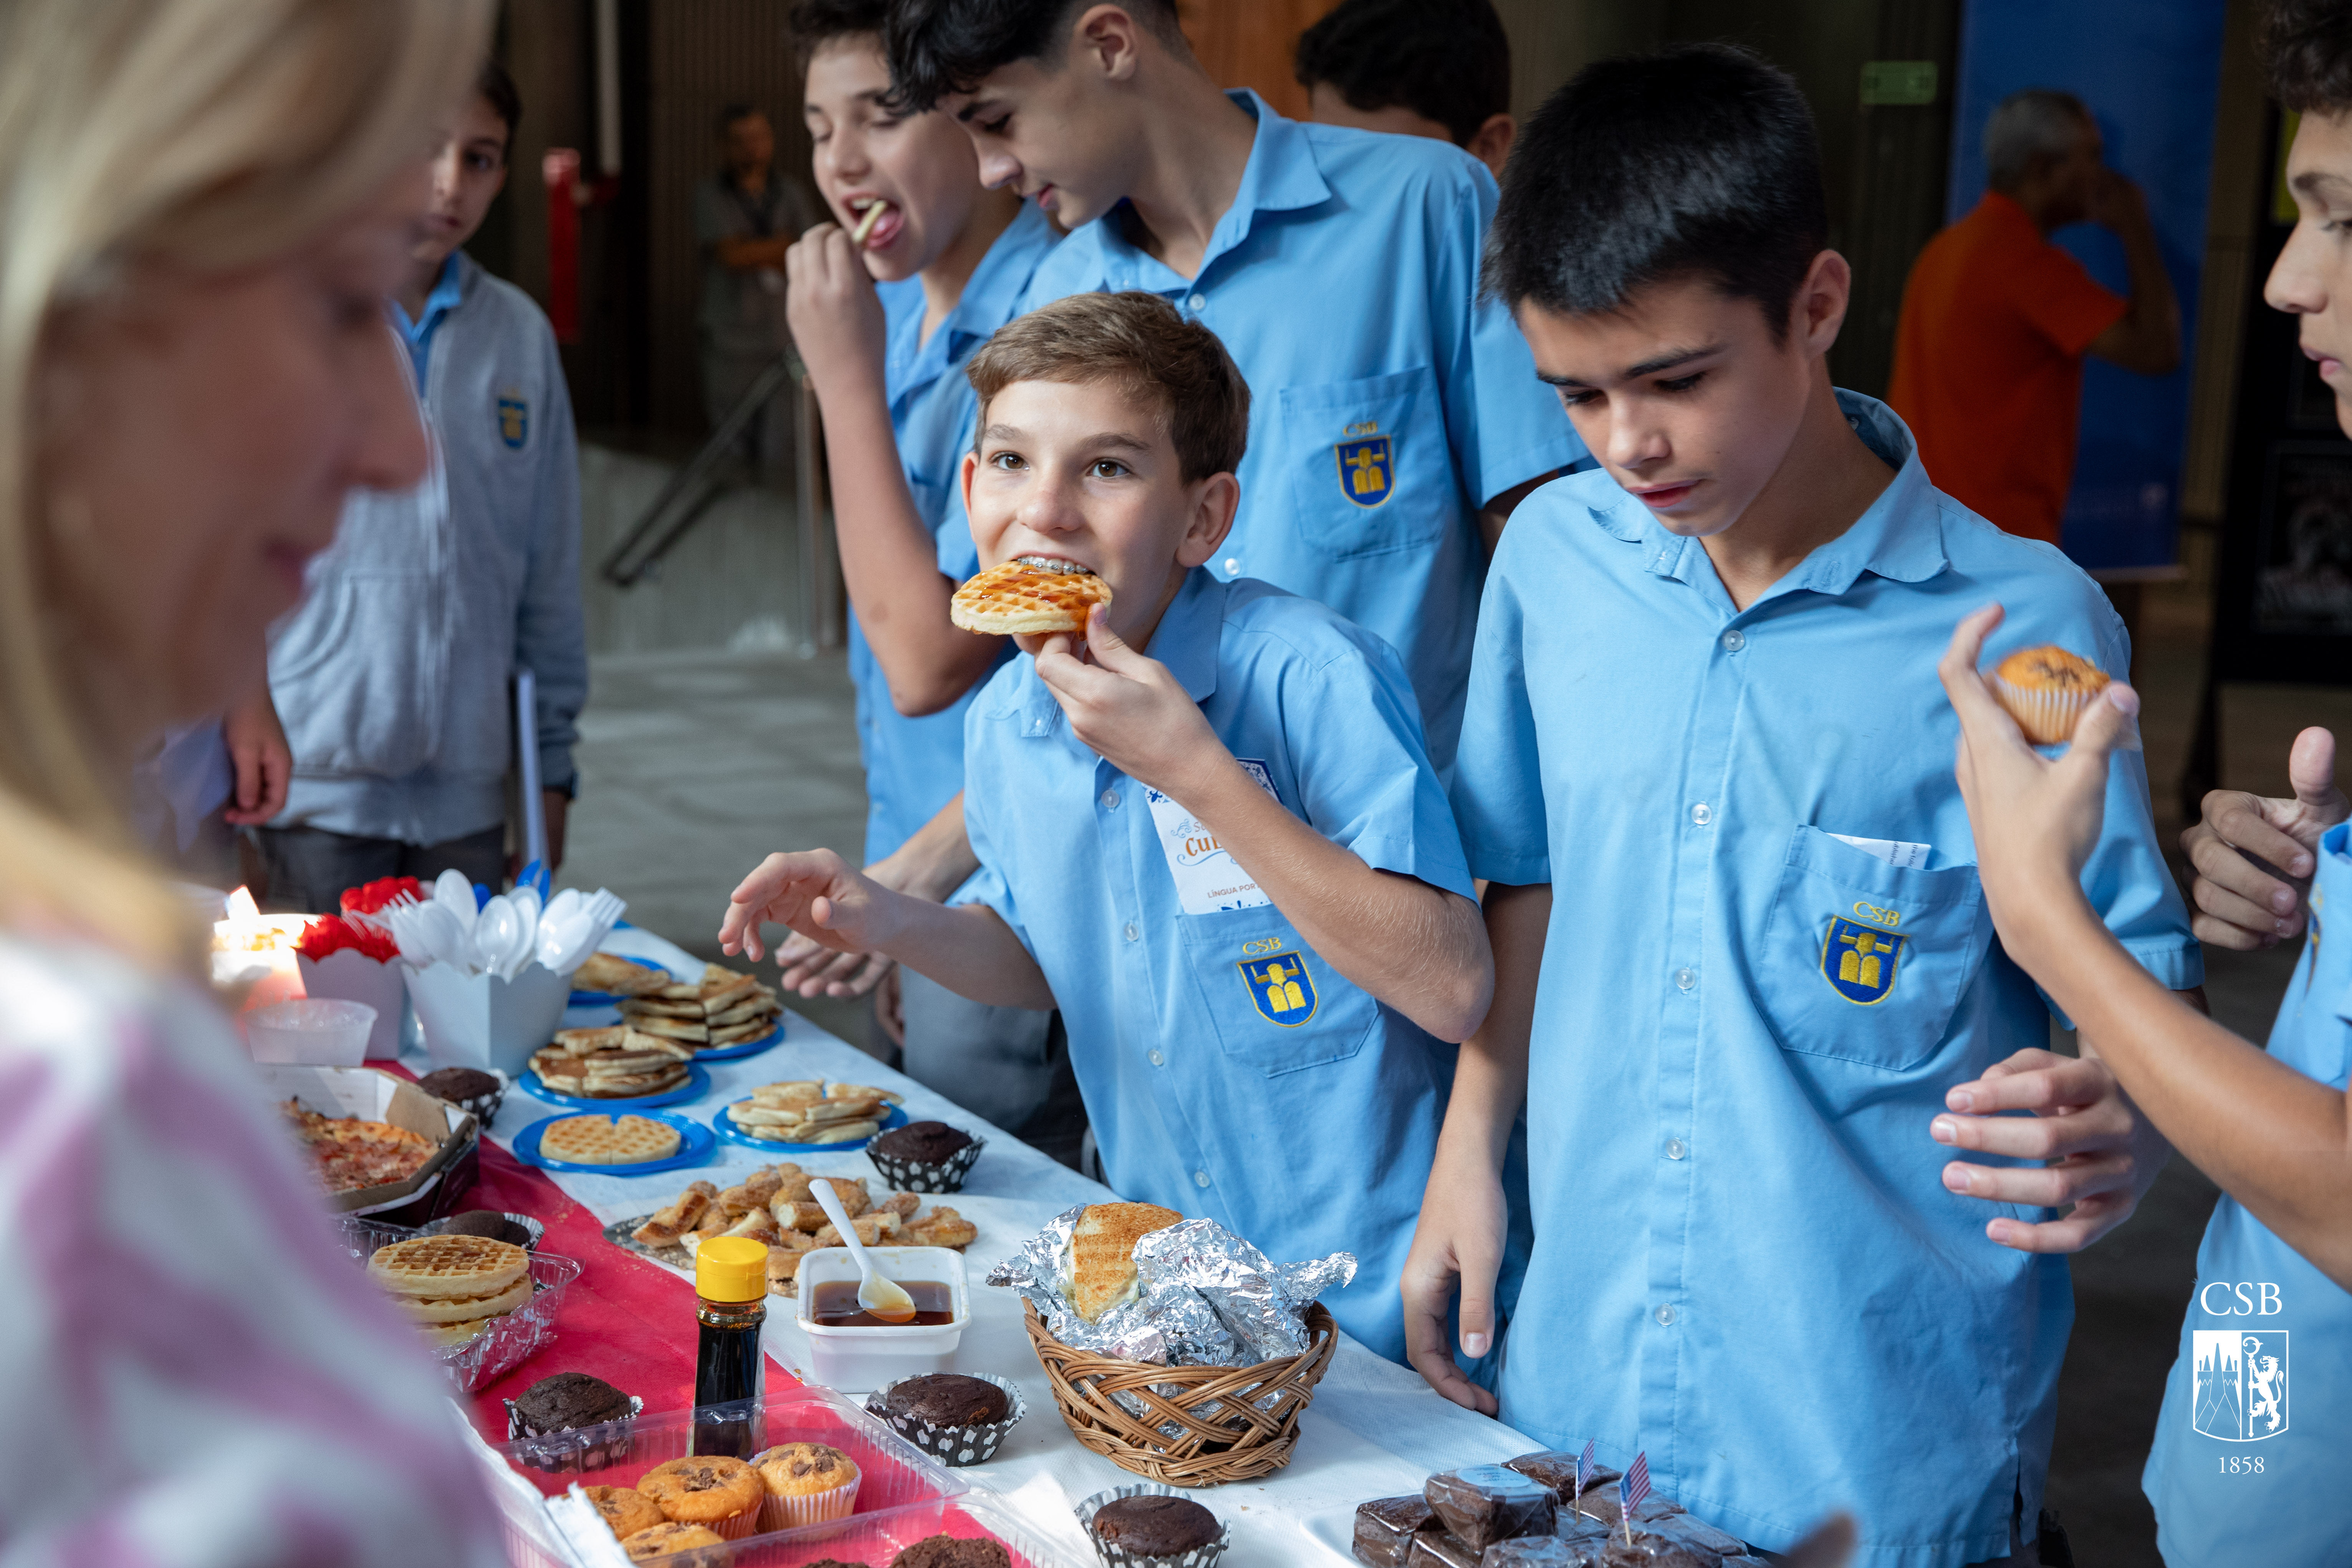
{"points": [[444, 1267], [619, 1140], [443, 1335], [465, 1309], [724, 1008], [1026, 596]]}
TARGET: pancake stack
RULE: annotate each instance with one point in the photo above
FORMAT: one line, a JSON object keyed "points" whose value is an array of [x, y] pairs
{"points": [[613, 1063], [723, 1008]]}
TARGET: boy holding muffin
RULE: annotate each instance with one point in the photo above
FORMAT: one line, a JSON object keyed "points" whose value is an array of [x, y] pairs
{"points": [[1706, 768], [1230, 862]]}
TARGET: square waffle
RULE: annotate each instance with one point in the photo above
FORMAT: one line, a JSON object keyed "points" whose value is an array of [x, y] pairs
{"points": [[443, 1267], [1028, 595], [621, 1141]]}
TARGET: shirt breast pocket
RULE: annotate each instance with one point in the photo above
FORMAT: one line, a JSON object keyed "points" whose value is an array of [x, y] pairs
{"points": [[1276, 1007], [1370, 469], [1863, 960]]}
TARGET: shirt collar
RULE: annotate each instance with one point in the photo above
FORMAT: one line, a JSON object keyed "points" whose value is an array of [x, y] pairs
{"points": [[447, 290], [1281, 175], [989, 300], [1188, 631], [1900, 536]]}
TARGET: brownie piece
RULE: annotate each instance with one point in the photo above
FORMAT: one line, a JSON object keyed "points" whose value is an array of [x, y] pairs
{"points": [[1536, 1551], [1557, 1469], [947, 1551], [456, 1084], [1650, 1549], [946, 1399], [569, 1400], [486, 1221], [1385, 1528], [1150, 1525], [1436, 1549], [924, 1143], [1600, 1503], [1699, 1534], [1486, 1503]]}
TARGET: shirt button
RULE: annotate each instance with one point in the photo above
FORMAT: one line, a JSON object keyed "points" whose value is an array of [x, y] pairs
{"points": [[1232, 565], [1110, 800], [1200, 1178], [1734, 640], [1675, 1148], [1196, 303], [1666, 1315], [1156, 1059], [1702, 814], [1132, 932], [1684, 978]]}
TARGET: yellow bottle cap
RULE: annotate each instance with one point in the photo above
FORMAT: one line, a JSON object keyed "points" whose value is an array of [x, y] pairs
{"points": [[730, 1268]]}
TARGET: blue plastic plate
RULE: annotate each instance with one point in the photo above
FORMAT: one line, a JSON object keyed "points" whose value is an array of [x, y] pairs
{"points": [[695, 1144], [724, 1125], [697, 1081], [745, 1048]]}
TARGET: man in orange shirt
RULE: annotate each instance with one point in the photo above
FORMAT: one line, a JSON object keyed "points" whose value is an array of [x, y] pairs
{"points": [[1996, 319]]}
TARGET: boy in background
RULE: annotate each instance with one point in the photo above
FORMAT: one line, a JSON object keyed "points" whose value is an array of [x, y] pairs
{"points": [[1741, 952], [1415, 68], [1225, 1009], [392, 676]]}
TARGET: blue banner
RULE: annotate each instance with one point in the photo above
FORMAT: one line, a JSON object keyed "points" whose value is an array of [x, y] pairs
{"points": [[2150, 71]]}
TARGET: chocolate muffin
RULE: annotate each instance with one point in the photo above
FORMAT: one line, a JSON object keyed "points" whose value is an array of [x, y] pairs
{"points": [[946, 1399], [947, 1551], [457, 1085], [924, 1157], [1152, 1526], [486, 1222], [925, 1143], [571, 1400]]}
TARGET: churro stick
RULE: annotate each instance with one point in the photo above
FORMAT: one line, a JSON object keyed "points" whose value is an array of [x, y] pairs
{"points": [[865, 224]]}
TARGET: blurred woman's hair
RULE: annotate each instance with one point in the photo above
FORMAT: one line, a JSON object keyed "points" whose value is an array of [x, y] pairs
{"points": [[203, 135]]}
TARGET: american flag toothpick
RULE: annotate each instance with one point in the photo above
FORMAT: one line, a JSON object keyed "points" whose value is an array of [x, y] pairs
{"points": [[1583, 1472], [1631, 1487]]}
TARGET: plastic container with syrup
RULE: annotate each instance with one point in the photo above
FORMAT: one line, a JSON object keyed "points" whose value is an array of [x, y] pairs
{"points": [[865, 1358]]}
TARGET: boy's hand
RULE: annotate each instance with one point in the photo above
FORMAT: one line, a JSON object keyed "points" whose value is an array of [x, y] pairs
{"points": [[815, 893], [1456, 1246], [1128, 708], [2254, 855], [2104, 1154], [835, 316]]}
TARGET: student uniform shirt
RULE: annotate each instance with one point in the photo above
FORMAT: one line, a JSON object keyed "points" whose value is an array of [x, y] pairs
{"points": [[1988, 364], [1746, 1261], [915, 767], [2253, 1443], [1228, 1071], [1387, 405]]}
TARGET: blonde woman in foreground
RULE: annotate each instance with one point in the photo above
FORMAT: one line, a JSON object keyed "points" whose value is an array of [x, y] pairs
{"points": [[202, 205]]}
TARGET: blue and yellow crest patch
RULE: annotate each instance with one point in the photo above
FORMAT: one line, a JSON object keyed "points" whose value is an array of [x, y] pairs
{"points": [[1859, 961], [514, 419], [1281, 989], [1367, 469]]}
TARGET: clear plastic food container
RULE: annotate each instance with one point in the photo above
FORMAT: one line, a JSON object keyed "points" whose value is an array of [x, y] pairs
{"points": [[315, 1032], [864, 1359], [509, 1340]]}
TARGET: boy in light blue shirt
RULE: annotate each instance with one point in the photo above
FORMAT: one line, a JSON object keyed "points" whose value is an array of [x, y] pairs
{"points": [[1741, 950], [1230, 863]]}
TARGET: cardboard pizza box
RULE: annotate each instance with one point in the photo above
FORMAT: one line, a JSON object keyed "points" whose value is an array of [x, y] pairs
{"points": [[372, 1094]]}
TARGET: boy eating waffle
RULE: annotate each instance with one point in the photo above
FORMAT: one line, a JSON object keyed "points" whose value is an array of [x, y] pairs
{"points": [[1230, 863]]}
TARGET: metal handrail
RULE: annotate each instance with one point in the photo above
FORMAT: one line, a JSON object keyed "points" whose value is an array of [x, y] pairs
{"points": [[623, 572]]}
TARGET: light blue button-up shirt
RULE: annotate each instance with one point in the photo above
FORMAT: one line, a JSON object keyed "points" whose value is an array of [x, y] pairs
{"points": [[1746, 1261], [1386, 404], [447, 290], [915, 767], [1303, 1119]]}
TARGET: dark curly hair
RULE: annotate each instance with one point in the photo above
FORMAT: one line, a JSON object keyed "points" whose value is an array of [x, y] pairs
{"points": [[1447, 61], [941, 46], [2307, 52]]}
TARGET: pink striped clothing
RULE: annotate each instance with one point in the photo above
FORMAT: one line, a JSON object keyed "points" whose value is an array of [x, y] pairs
{"points": [[192, 1373]]}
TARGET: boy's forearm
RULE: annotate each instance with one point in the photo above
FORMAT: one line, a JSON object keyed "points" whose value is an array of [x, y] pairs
{"points": [[1415, 947], [1490, 1074], [967, 948]]}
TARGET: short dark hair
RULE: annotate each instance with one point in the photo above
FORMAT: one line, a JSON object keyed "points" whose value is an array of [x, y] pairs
{"points": [[941, 46], [729, 113], [817, 23], [1698, 160], [1138, 343], [1447, 61], [2307, 52], [497, 89]]}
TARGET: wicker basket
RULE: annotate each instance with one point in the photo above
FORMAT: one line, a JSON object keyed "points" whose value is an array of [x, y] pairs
{"points": [[1240, 1442]]}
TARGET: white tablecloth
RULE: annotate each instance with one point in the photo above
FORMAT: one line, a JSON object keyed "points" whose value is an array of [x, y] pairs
{"points": [[1375, 1429]]}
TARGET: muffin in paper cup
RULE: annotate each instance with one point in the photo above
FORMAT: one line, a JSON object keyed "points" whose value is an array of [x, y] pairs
{"points": [[955, 1447], [1119, 1557], [2045, 689], [919, 1177], [578, 1447], [782, 1511]]}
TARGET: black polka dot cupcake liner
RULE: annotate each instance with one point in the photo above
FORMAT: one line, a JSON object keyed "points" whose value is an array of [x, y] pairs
{"points": [[954, 1446], [920, 1176], [596, 1447], [1120, 1557]]}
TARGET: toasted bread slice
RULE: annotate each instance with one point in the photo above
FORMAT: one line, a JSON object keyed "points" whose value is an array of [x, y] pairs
{"points": [[1102, 1254]]}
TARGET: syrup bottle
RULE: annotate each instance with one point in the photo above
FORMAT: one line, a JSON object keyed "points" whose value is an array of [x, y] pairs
{"points": [[731, 1289]]}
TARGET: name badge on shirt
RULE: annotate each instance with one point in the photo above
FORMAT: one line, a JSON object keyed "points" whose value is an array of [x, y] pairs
{"points": [[1207, 879]]}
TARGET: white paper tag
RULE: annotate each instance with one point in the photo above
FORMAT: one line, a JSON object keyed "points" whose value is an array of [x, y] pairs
{"points": [[1207, 879], [1902, 856]]}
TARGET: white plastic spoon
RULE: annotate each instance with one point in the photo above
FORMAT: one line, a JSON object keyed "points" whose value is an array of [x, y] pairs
{"points": [[878, 1296]]}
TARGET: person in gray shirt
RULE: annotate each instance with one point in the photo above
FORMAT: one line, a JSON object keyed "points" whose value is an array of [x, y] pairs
{"points": [[392, 675], [746, 216]]}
